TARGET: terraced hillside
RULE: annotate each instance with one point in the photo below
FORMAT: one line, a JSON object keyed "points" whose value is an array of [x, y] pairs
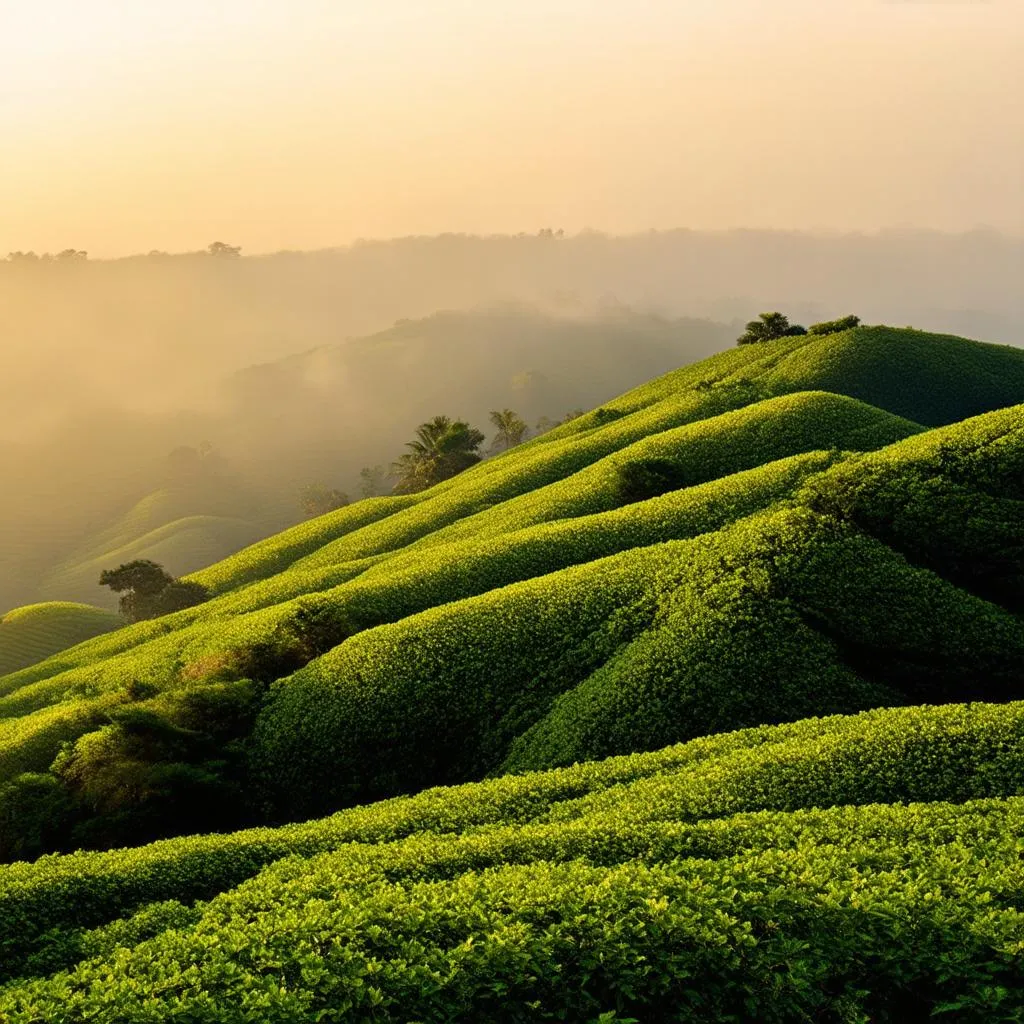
{"points": [[715, 550], [861, 868], [34, 632], [793, 532]]}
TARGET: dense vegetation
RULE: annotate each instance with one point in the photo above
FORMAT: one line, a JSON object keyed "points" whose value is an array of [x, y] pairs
{"points": [[147, 590], [696, 883], [775, 541]]}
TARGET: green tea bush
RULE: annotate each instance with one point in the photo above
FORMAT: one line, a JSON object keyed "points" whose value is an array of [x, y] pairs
{"points": [[951, 500], [703, 799], [571, 924], [773, 618]]}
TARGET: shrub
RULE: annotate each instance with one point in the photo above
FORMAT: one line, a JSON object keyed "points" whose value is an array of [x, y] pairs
{"points": [[845, 323]]}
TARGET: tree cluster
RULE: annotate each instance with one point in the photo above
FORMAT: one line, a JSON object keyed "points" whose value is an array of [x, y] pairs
{"points": [[769, 326], [148, 590], [844, 323], [443, 447], [318, 499], [64, 256]]}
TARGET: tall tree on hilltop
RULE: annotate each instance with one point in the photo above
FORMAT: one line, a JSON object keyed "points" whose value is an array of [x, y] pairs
{"points": [[443, 447], [768, 327], [511, 429], [224, 251]]}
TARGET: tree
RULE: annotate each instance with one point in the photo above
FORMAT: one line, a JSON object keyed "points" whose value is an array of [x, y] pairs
{"points": [[148, 590], [224, 251], [511, 429], [319, 499], [71, 256], [372, 481], [768, 327], [443, 447]]}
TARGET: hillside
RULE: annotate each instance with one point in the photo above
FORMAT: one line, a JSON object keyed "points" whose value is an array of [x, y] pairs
{"points": [[151, 529], [782, 589], [706, 552], [863, 868], [34, 632]]}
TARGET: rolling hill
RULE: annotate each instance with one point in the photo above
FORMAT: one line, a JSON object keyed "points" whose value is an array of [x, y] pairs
{"points": [[719, 681], [34, 632]]}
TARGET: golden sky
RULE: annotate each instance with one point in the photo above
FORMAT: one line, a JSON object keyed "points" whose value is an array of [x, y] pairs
{"points": [[129, 125]]}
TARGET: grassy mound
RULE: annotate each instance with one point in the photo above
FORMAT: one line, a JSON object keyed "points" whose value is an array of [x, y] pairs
{"points": [[37, 631]]}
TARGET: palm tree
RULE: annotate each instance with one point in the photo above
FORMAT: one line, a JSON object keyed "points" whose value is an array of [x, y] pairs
{"points": [[442, 448], [768, 327], [511, 427]]}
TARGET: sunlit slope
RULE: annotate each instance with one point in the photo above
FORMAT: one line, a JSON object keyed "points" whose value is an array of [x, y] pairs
{"points": [[167, 657], [823, 602], [34, 632], [876, 854], [782, 614], [929, 379]]}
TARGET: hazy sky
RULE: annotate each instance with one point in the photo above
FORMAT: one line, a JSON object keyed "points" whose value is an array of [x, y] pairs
{"points": [[128, 125]]}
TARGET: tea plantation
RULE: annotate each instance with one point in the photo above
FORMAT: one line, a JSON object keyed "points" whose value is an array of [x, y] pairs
{"points": [[706, 705]]}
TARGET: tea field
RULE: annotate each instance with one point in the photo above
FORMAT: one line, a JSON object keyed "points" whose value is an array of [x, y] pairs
{"points": [[705, 705]]}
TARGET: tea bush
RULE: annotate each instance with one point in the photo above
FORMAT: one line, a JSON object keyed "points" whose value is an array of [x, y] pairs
{"points": [[648, 886], [706, 798]]}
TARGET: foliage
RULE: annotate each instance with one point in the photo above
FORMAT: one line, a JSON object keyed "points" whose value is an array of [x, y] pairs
{"points": [[222, 250], [844, 323], [769, 327], [148, 590], [442, 449], [661, 886], [372, 481], [646, 478], [511, 429]]}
